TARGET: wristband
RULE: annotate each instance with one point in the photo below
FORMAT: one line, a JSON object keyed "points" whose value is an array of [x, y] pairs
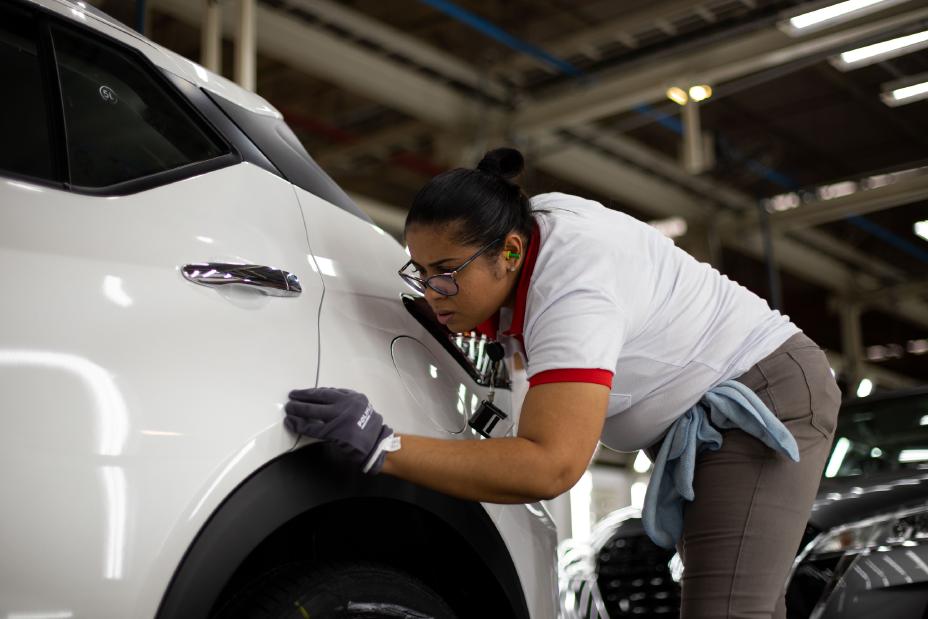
{"points": [[390, 443]]}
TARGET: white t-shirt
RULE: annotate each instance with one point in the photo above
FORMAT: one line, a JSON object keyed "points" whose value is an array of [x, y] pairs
{"points": [[605, 298]]}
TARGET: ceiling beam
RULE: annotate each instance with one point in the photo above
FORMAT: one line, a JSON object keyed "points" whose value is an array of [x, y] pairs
{"points": [[881, 376], [903, 191], [397, 42], [625, 88], [619, 29], [321, 53]]}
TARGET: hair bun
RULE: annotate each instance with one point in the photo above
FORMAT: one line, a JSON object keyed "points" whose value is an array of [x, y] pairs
{"points": [[505, 162]]}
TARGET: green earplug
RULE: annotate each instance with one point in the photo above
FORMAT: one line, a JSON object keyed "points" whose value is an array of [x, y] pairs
{"points": [[512, 254]]}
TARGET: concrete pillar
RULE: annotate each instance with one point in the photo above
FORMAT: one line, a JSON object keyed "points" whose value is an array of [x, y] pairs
{"points": [[245, 45], [697, 155], [851, 342], [211, 36]]}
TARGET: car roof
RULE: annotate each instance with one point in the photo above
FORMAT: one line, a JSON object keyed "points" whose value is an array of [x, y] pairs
{"points": [[82, 13]]}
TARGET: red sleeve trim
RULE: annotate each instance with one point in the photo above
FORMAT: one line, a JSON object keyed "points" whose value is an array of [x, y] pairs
{"points": [[599, 377]]}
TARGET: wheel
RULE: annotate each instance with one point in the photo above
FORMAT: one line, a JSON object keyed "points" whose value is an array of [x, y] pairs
{"points": [[337, 591]]}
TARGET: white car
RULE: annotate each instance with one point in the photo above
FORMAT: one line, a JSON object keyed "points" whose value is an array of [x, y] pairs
{"points": [[172, 263]]}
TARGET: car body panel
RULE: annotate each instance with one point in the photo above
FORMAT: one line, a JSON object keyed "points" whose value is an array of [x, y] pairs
{"points": [[133, 400], [845, 500]]}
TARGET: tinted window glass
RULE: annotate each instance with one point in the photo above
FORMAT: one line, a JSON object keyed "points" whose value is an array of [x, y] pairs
{"points": [[24, 136], [278, 143], [883, 435], [121, 123]]}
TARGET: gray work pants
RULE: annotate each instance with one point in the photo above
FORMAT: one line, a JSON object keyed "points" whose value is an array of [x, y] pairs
{"points": [[742, 531]]}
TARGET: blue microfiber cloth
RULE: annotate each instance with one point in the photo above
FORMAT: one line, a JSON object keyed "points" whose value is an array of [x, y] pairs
{"points": [[729, 405]]}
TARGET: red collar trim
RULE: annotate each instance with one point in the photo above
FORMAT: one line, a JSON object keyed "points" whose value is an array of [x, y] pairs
{"points": [[525, 279], [490, 327]]}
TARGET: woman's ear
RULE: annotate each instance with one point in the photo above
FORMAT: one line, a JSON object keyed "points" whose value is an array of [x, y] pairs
{"points": [[513, 251]]}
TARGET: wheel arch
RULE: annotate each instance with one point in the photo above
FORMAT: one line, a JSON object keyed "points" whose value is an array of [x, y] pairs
{"points": [[303, 505]]}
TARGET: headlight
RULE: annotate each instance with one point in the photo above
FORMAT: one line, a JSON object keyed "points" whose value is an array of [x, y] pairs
{"points": [[902, 528]]}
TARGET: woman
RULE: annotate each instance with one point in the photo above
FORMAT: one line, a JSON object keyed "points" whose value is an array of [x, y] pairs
{"points": [[621, 333]]}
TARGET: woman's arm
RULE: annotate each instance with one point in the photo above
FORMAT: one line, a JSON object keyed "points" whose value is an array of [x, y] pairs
{"points": [[559, 428]]}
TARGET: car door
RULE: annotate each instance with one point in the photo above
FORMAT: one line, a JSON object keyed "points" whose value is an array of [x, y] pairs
{"points": [[138, 386]]}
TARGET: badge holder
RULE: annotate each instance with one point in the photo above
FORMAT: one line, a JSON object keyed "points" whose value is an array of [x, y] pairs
{"points": [[488, 420]]}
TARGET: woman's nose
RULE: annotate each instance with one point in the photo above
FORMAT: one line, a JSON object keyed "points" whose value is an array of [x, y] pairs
{"points": [[431, 296]]}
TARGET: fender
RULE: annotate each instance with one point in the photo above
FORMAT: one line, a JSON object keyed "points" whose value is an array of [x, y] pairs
{"points": [[297, 483]]}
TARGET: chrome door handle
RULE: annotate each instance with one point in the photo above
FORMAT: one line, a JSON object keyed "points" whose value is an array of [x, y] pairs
{"points": [[268, 280]]}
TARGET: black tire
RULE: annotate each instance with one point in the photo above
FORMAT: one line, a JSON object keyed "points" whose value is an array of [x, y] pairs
{"points": [[336, 591]]}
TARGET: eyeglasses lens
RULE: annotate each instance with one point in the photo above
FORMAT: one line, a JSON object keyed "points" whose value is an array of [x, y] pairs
{"points": [[412, 281], [443, 284]]}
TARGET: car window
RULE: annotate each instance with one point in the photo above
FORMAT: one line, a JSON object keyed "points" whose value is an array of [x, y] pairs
{"points": [[26, 148], [883, 435], [121, 123], [279, 144]]}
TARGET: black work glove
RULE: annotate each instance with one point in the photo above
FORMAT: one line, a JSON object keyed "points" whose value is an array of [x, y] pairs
{"points": [[346, 418]]}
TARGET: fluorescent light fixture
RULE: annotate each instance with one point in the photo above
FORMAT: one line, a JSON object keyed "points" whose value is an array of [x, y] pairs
{"points": [[905, 91], [837, 457], [677, 95], [827, 14], [878, 52], [581, 496], [913, 455], [921, 229], [642, 463], [700, 92], [638, 490], [671, 227], [864, 388]]}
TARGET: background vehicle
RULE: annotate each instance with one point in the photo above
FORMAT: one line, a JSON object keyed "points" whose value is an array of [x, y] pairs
{"points": [[863, 553], [173, 264]]}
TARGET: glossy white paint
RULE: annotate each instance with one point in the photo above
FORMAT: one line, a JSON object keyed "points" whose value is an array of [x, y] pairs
{"points": [[132, 400], [361, 315], [430, 384]]}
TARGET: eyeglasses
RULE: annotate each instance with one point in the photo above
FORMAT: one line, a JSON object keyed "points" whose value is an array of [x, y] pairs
{"points": [[444, 284]]}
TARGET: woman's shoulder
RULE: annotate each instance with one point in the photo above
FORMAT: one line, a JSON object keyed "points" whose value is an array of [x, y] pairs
{"points": [[561, 201]]}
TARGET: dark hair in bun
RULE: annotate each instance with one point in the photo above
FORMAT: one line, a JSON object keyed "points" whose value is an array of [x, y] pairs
{"points": [[505, 162], [485, 204]]}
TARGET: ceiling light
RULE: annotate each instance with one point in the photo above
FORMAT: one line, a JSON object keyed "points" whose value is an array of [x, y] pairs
{"points": [[671, 227], [842, 445], [700, 92], [642, 463], [905, 91], [828, 14], [677, 95], [921, 229], [865, 388], [884, 50]]}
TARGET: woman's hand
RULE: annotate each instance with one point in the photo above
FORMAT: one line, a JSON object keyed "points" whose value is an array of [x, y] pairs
{"points": [[346, 418]]}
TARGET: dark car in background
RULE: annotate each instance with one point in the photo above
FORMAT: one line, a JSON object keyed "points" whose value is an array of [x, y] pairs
{"points": [[864, 552]]}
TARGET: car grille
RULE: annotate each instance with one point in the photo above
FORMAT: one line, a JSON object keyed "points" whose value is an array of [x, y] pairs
{"points": [[633, 576]]}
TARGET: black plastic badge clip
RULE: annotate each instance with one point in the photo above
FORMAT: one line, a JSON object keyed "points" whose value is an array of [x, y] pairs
{"points": [[487, 415]]}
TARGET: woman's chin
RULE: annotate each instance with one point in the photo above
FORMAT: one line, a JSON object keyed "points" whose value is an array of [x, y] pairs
{"points": [[457, 326]]}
